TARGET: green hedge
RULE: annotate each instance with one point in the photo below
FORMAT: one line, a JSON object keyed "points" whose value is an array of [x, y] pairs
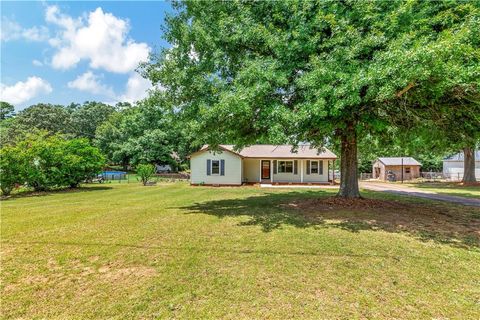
{"points": [[43, 162]]}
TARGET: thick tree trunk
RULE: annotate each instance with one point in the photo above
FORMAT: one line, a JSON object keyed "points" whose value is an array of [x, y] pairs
{"points": [[348, 164], [468, 165]]}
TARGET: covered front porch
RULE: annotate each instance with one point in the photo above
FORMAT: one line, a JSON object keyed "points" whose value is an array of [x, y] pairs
{"points": [[288, 171]]}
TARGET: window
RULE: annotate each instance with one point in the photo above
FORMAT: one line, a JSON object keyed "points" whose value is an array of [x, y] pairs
{"points": [[285, 166], [407, 169], [314, 167], [215, 166]]}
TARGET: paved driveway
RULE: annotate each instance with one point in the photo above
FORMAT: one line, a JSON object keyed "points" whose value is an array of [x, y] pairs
{"points": [[411, 191]]}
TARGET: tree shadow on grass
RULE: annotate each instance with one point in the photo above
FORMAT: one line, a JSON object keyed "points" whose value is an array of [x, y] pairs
{"points": [[28, 194], [426, 220]]}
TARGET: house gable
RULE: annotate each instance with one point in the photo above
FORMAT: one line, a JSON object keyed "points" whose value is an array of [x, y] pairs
{"points": [[228, 166]]}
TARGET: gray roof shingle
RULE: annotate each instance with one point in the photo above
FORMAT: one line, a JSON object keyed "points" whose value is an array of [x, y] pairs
{"points": [[459, 156], [279, 151], [397, 161]]}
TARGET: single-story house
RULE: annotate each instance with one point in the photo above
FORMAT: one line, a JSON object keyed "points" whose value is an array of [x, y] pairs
{"points": [[383, 167], [453, 166], [271, 164]]}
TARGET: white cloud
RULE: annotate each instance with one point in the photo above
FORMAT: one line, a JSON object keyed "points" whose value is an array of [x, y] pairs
{"points": [[21, 91], [37, 63], [102, 40], [90, 82], [11, 30], [136, 89]]}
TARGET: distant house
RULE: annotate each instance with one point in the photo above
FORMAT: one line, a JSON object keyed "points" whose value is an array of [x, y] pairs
{"points": [[453, 166], [383, 167], [272, 164]]}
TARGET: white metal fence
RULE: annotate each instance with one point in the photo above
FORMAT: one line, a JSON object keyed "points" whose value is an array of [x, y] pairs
{"points": [[428, 176], [365, 176], [434, 176]]}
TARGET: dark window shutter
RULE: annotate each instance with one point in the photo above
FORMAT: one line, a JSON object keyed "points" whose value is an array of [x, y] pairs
{"points": [[209, 165], [308, 166], [295, 166], [274, 166], [222, 167], [320, 165]]}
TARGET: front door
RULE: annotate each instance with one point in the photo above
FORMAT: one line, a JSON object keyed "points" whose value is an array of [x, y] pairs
{"points": [[265, 169]]}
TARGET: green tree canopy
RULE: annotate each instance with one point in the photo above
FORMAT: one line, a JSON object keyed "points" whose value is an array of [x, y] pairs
{"points": [[6, 110], [45, 116], [87, 117], [292, 71], [145, 133]]}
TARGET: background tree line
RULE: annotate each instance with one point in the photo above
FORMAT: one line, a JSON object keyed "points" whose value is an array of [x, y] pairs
{"points": [[49, 146], [126, 134]]}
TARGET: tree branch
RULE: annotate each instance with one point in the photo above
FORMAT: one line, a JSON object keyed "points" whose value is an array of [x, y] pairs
{"points": [[408, 87]]}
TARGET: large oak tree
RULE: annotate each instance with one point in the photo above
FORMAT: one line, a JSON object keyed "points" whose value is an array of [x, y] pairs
{"points": [[294, 71]]}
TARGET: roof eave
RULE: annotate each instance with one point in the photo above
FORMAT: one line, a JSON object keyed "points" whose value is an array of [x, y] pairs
{"points": [[208, 149], [280, 157]]}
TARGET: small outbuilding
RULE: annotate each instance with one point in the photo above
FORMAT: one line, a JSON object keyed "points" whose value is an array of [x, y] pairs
{"points": [[392, 168]]}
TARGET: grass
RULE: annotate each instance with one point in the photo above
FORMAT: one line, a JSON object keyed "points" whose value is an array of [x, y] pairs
{"points": [[175, 251], [452, 189]]}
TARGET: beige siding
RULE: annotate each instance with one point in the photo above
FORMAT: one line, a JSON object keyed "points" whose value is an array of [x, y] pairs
{"points": [[286, 177], [397, 170], [251, 170], [378, 170], [307, 178], [233, 168], [314, 177]]}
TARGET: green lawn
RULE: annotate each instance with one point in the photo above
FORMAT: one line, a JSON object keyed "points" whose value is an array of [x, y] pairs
{"points": [[452, 189], [173, 251]]}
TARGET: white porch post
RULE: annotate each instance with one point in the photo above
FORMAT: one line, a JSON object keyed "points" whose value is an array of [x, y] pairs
{"points": [[333, 171], [328, 170], [260, 175], [301, 170], [271, 171]]}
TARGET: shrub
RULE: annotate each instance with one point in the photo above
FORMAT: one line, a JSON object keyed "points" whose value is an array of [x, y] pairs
{"points": [[81, 162], [41, 156], [11, 169], [145, 172], [44, 162]]}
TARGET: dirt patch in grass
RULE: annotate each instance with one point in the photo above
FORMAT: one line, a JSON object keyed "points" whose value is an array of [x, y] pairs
{"points": [[459, 225], [111, 272], [115, 273]]}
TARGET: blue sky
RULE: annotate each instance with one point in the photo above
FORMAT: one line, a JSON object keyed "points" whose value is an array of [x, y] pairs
{"points": [[68, 51]]}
